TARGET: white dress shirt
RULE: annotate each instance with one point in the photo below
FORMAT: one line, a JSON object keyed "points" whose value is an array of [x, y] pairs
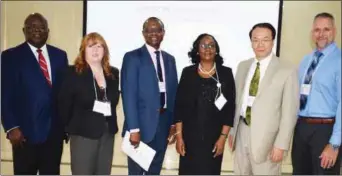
{"points": [[153, 55], [263, 66], [46, 56]]}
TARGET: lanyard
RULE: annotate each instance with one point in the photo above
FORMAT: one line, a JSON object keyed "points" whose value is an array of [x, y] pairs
{"points": [[105, 95], [216, 79]]}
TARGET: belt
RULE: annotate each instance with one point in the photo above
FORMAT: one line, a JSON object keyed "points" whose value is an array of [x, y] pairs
{"points": [[161, 110], [316, 120], [244, 120]]}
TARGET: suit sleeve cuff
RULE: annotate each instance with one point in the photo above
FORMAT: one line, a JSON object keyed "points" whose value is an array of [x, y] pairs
{"points": [[12, 129], [136, 130]]}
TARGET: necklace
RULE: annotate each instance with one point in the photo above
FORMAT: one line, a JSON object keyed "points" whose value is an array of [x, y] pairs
{"points": [[205, 72]]}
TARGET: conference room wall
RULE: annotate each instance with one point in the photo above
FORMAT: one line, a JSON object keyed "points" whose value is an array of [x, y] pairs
{"points": [[65, 22]]}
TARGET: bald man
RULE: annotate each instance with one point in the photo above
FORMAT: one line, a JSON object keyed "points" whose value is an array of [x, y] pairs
{"points": [[30, 80]]}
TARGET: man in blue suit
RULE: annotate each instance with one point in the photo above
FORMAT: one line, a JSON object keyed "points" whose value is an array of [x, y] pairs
{"points": [[30, 81], [148, 84]]}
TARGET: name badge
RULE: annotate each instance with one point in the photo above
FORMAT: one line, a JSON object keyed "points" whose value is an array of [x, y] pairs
{"points": [[305, 89], [250, 101], [162, 87], [220, 102], [102, 107]]}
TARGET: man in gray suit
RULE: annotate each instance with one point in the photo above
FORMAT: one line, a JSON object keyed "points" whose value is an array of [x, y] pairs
{"points": [[267, 106]]}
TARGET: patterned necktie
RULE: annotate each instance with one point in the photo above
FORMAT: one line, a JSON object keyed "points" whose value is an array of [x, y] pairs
{"points": [[43, 66], [308, 77], [160, 77], [253, 90]]}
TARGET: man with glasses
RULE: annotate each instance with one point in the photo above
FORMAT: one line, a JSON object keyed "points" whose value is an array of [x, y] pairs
{"points": [[30, 81], [267, 90], [148, 85], [317, 137]]}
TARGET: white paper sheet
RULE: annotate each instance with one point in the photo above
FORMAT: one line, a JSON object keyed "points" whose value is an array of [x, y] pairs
{"points": [[143, 155]]}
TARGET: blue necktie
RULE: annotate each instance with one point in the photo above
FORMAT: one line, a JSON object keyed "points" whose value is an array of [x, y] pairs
{"points": [[308, 77], [160, 77]]}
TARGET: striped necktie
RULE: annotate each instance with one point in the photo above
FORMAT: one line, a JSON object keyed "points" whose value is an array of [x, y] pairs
{"points": [[43, 66], [308, 77]]}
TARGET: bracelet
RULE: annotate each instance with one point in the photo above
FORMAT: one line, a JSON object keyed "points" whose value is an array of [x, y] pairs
{"points": [[225, 135], [178, 132], [174, 135]]}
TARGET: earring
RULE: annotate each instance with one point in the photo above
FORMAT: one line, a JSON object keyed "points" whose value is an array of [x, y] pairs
{"points": [[216, 53], [197, 53]]}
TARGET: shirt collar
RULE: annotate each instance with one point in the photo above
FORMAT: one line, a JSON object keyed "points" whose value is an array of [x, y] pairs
{"points": [[34, 49], [265, 61], [328, 49], [151, 50]]}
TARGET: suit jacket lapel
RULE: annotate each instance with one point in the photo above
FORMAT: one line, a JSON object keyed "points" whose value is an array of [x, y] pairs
{"points": [[242, 81], [32, 58], [244, 74], [166, 69], [196, 80], [35, 64], [146, 58], [270, 71], [52, 63]]}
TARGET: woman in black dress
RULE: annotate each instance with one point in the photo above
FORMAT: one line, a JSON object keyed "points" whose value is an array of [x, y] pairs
{"points": [[204, 110]]}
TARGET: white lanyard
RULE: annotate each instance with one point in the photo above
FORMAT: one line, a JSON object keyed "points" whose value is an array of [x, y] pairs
{"points": [[216, 79]]}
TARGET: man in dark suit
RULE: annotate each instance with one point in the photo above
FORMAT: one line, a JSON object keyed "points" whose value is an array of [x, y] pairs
{"points": [[30, 80], [149, 82]]}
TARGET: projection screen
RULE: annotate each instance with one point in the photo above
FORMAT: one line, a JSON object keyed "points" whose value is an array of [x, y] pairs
{"points": [[120, 23]]}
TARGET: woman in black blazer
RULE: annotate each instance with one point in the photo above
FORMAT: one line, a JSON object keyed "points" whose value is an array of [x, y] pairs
{"points": [[204, 109], [87, 104]]}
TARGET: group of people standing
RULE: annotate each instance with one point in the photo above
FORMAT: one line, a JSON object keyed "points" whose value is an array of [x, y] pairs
{"points": [[45, 102]]}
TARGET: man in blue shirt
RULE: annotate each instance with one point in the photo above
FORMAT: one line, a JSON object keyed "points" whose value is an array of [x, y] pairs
{"points": [[317, 136]]}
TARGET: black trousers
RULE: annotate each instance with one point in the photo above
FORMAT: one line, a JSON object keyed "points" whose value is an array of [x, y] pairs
{"points": [[44, 158], [308, 143]]}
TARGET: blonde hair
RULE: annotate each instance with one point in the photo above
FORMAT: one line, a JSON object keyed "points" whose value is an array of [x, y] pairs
{"points": [[81, 63]]}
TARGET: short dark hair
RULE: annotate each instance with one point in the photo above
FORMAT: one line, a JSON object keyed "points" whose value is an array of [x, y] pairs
{"points": [[154, 19], [324, 15], [37, 16], [195, 58], [263, 25]]}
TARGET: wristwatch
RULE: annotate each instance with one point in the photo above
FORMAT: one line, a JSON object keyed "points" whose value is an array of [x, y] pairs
{"points": [[335, 147]]}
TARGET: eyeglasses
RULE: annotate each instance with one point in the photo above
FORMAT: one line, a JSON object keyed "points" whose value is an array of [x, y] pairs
{"points": [[206, 46], [263, 41]]}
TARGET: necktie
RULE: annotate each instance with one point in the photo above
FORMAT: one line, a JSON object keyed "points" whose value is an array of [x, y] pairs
{"points": [[43, 66], [160, 77], [253, 90], [308, 77]]}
